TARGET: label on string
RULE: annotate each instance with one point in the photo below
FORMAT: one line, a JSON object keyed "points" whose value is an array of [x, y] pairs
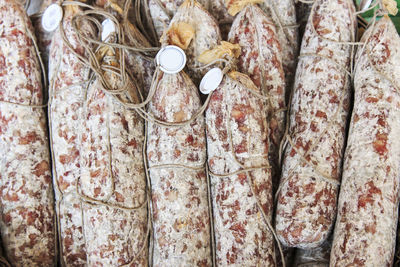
{"points": [[52, 17], [108, 28], [211, 80], [171, 59]]}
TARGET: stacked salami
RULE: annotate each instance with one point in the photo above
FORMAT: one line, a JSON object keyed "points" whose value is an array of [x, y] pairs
{"points": [[171, 155]]}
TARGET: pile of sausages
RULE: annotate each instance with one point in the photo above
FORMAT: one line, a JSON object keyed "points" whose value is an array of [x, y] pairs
{"points": [[106, 160]]}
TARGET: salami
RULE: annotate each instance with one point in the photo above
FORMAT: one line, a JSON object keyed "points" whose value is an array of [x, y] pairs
{"points": [[162, 11], [139, 66], [112, 181], [194, 18], [365, 230], [283, 15], [27, 220], [237, 147], [306, 204], [261, 60], [176, 156], [68, 82]]}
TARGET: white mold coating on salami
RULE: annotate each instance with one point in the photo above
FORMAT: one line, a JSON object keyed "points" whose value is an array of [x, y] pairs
{"points": [[68, 81], [365, 231], [261, 59], [141, 68], [241, 233], [27, 227], [318, 115], [112, 178], [181, 219], [206, 37], [282, 13]]}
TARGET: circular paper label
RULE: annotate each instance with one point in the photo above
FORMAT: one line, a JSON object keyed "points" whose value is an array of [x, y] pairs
{"points": [[211, 80], [171, 59], [108, 29], [52, 17]]}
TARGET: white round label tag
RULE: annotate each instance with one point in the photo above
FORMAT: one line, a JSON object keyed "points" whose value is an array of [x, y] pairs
{"points": [[171, 59], [211, 80], [52, 17], [108, 28]]}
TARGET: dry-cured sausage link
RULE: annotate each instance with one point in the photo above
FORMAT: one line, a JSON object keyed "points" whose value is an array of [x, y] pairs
{"points": [[206, 35], [176, 156], [365, 231], [68, 81], [112, 181], [307, 194], [162, 11], [283, 15], [237, 147], [261, 59], [139, 66], [27, 222]]}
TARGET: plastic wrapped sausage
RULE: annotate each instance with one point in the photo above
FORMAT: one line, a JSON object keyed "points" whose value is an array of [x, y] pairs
{"points": [[365, 231], [27, 222], [306, 200]]}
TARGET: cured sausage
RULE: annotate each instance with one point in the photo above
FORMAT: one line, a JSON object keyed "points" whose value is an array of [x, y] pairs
{"points": [[112, 181], [205, 35], [68, 81], [27, 222], [140, 67], [365, 231], [177, 156], [283, 15], [306, 204], [162, 11], [237, 148], [261, 59]]}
